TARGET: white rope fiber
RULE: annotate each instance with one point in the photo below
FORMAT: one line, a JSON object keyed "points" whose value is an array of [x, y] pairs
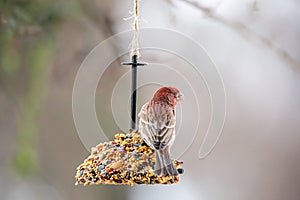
{"points": [[135, 42]]}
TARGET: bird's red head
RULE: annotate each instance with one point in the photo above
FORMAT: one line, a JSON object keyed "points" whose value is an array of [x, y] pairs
{"points": [[169, 95]]}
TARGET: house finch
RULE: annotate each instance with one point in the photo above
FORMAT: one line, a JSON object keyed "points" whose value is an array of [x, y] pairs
{"points": [[157, 120]]}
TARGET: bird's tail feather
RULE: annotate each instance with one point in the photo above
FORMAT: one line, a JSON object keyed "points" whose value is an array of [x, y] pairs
{"points": [[164, 165]]}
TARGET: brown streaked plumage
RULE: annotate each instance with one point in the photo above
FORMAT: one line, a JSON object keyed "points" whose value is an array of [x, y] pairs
{"points": [[157, 120]]}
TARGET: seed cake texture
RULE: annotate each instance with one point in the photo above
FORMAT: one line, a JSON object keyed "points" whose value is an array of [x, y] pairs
{"points": [[125, 160]]}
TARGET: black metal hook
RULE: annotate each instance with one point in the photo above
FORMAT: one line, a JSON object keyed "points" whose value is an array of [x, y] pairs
{"points": [[134, 63]]}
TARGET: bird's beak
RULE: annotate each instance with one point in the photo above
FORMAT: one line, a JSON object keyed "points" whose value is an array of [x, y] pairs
{"points": [[179, 96]]}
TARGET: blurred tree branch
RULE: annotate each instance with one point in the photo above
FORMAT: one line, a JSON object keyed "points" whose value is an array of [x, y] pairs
{"points": [[243, 30], [39, 56], [27, 47]]}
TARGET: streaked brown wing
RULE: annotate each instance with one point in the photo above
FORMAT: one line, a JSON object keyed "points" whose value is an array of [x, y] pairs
{"points": [[157, 125]]}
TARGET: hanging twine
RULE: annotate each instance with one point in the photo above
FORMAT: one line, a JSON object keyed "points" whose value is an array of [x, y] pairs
{"points": [[135, 42]]}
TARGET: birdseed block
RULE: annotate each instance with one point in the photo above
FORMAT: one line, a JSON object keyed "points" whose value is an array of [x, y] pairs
{"points": [[125, 160]]}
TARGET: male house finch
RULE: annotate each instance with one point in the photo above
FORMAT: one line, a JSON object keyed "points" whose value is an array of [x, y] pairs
{"points": [[157, 120]]}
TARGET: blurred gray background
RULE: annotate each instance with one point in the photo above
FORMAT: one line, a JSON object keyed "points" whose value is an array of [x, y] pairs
{"points": [[254, 44]]}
